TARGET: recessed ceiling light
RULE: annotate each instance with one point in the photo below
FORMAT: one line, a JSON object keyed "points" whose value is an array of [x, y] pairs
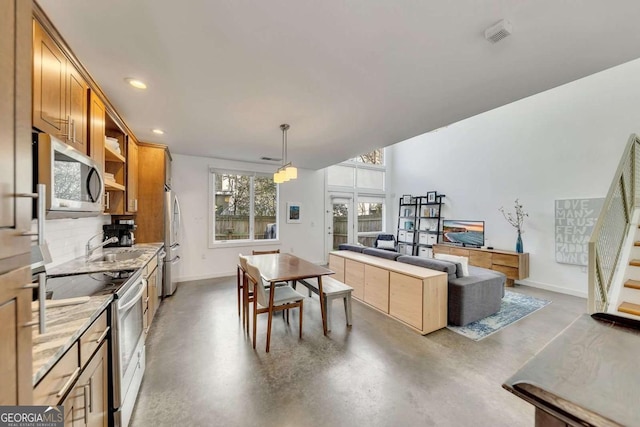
{"points": [[158, 131], [136, 83]]}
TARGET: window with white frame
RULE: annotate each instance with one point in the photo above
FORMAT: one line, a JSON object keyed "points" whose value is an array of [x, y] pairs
{"points": [[370, 222], [363, 177], [244, 207]]}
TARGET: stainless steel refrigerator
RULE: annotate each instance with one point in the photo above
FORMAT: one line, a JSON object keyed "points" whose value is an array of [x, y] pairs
{"points": [[171, 241]]}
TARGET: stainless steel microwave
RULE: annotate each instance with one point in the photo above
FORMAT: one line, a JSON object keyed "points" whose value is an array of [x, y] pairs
{"points": [[74, 184]]}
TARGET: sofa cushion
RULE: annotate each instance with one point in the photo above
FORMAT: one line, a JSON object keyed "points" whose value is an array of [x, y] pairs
{"points": [[430, 263], [350, 247], [382, 253], [386, 244], [463, 261]]}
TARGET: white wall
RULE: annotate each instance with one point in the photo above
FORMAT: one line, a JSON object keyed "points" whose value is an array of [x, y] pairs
{"points": [[563, 143], [67, 238], [190, 180]]}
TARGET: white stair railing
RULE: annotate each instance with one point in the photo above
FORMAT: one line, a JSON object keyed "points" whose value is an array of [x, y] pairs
{"points": [[612, 226]]}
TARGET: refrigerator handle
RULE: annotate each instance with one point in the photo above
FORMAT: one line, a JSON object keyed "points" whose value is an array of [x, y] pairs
{"points": [[179, 213]]}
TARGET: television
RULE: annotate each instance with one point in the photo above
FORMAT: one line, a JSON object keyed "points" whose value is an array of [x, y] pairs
{"points": [[462, 232]]}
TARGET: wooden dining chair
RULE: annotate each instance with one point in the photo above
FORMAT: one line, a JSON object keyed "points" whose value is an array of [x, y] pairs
{"points": [[275, 251], [284, 298]]}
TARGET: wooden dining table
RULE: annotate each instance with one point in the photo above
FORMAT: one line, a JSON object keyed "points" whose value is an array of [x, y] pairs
{"points": [[287, 268]]}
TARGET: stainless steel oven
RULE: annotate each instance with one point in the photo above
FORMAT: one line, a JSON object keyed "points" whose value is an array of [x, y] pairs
{"points": [[128, 347]]}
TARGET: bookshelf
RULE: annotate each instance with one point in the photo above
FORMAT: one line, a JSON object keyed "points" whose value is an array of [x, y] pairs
{"points": [[419, 224]]}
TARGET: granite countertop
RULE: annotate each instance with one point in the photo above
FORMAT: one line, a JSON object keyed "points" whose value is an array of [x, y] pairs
{"points": [[80, 264], [589, 371], [64, 326]]}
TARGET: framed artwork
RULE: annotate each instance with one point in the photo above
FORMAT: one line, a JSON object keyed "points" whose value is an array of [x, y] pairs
{"points": [[431, 197], [293, 213], [406, 199]]}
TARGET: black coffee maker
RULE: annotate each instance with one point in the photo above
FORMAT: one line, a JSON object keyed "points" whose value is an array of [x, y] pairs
{"points": [[124, 233]]}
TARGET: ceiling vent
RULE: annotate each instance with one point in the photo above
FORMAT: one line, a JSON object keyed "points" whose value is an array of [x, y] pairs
{"points": [[498, 31], [270, 159]]}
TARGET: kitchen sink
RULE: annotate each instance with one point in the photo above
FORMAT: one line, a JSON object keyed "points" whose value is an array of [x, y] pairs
{"points": [[115, 257]]}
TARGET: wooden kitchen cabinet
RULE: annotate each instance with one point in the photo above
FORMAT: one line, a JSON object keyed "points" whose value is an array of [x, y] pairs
{"points": [[15, 213], [151, 294], [87, 403], [132, 175], [151, 191], [60, 93], [94, 387], [115, 165], [96, 130], [15, 351], [80, 379]]}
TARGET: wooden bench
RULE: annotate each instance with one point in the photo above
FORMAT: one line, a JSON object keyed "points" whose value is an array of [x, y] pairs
{"points": [[332, 289]]}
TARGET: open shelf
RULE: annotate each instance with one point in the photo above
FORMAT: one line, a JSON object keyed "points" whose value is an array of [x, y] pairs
{"points": [[113, 186], [112, 156]]}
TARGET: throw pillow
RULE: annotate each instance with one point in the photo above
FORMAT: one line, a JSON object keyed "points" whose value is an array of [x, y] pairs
{"points": [[456, 259], [386, 244]]}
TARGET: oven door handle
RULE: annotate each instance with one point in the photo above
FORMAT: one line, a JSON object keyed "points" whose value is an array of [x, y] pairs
{"points": [[135, 299]]}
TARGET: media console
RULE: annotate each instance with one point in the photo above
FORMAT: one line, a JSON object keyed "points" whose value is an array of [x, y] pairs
{"points": [[513, 264]]}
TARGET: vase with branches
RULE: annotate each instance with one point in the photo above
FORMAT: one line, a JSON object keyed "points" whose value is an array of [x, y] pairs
{"points": [[516, 219]]}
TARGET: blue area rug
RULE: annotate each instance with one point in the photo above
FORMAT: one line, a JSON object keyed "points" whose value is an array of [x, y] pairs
{"points": [[514, 307]]}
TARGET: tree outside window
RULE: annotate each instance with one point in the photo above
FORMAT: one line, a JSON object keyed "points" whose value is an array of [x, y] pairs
{"points": [[245, 207]]}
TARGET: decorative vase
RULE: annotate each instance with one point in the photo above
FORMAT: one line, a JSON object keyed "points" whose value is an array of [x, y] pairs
{"points": [[519, 247]]}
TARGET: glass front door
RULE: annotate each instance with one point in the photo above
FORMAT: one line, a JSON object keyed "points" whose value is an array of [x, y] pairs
{"points": [[340, 229]]}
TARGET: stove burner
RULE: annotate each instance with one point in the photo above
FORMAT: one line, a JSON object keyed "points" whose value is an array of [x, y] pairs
{"points": [[89, 284]]}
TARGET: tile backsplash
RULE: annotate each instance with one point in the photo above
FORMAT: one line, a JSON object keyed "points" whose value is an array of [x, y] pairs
{"points": [[67, 238]]}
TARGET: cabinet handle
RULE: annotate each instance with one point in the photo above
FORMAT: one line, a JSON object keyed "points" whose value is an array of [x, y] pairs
{"points": [[107, 200], [30, 286], [73, 126], [103, 336], [135, 205], [69, 383]]}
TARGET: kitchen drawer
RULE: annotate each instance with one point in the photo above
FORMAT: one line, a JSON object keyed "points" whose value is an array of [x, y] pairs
{"points": [[59, 380], [480, 259], [510, 272], [93, 337], [505, 259]]}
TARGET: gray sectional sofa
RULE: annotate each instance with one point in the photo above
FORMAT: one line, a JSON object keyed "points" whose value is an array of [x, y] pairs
{"points": [[470, 298]]}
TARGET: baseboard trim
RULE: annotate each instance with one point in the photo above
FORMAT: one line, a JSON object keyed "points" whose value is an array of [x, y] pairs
{"points": [[206, 276], [553, 288]]}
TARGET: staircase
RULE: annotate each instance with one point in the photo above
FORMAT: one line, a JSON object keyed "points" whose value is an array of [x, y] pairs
{"points": [[628, 301], [614, 247]]}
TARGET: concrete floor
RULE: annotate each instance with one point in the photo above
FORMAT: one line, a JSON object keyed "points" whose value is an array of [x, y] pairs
{"points": [[202, 370]]}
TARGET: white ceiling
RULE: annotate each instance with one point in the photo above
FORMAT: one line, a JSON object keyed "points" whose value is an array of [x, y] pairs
{"points": [[349, 76]]}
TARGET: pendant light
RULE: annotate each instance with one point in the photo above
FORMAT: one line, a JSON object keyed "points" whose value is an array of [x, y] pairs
{"points": [[287, 171]]}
